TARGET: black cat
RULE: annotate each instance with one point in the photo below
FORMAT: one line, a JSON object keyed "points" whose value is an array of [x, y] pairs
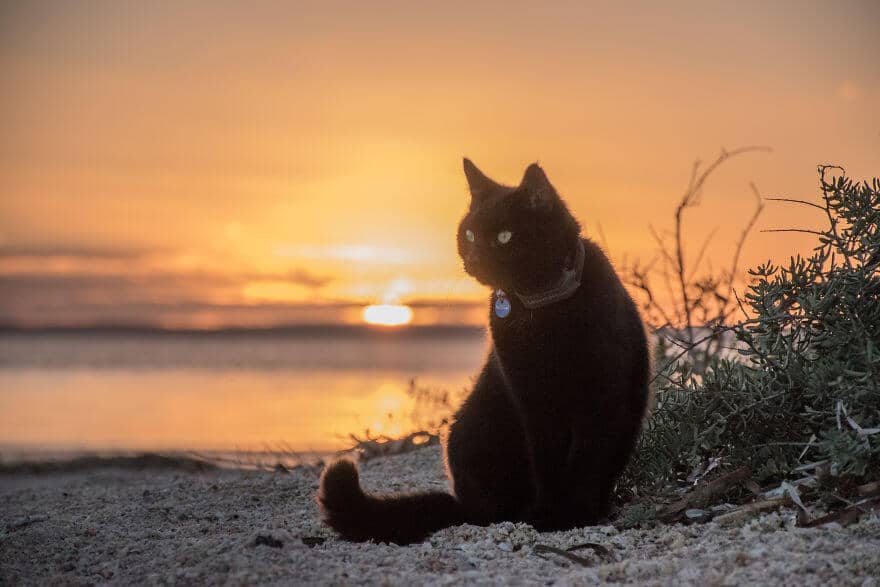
{"points": [[556, 410]]}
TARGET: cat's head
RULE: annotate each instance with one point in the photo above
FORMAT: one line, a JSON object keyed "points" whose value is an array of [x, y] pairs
{"points": [[515, 238]]}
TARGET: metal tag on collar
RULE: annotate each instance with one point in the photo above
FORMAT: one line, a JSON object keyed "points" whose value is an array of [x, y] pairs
{"points": [[502, 304]]}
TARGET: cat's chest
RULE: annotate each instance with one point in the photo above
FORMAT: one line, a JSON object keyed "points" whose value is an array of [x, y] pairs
{"points": [[525, 335], [508, 318]]}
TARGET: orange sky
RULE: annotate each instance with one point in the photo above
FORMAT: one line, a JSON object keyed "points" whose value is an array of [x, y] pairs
{"points": [[201, 164]]}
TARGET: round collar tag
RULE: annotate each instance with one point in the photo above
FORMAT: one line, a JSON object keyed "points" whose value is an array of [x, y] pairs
{"points": [[502, 304]]}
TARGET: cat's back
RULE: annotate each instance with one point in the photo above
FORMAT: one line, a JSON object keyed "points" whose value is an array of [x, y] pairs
{"points": [[603, 299]]}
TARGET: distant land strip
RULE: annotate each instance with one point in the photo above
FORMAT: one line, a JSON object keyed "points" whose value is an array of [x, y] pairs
{"points": [[297, 330]]}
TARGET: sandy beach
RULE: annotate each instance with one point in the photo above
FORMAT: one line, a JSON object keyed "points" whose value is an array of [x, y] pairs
{"points": [[122, 525]]}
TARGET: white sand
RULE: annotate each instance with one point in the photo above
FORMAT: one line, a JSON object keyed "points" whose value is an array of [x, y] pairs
{"points": [[161, 526]]}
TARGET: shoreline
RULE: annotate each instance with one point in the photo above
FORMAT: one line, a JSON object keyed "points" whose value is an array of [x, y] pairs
{"points": [[121, 524]]}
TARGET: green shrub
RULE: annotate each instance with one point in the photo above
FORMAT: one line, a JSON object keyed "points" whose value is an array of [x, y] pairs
{"points": [[805, 387]]}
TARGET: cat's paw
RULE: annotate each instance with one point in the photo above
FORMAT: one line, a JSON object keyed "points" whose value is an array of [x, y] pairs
{"points": [[550, 518], [546, 519]]}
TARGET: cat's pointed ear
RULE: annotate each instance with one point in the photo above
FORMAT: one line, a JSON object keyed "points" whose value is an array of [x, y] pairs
{"points": [[537, 188], [479, 184]]}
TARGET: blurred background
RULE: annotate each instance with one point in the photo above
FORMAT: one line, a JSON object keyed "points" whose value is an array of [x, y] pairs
{"points": [[229, 227]]}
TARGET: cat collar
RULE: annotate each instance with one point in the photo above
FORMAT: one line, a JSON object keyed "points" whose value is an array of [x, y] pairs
{"points": [[564, 288]]}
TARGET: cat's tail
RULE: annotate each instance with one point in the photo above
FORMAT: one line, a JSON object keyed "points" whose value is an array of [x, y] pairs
{"points": [[401, 519]]}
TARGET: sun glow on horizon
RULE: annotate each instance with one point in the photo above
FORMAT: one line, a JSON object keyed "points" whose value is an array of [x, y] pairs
{"points": [[387, 315]]}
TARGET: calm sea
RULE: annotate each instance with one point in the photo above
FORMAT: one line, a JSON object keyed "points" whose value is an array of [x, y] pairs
{"points": [[301, 390]]}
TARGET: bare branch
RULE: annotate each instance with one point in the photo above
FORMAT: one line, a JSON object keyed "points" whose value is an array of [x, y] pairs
{"points": [[795, 201], [792, 230], [702, 252], [689, 200], [734, 266], [718, 332], [740, 304], [661, 246]]}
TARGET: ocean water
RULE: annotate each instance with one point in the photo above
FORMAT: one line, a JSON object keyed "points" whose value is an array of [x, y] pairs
{"points": [[306, 390]]}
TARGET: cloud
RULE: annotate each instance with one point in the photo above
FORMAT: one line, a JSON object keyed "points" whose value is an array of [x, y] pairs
{"points": [[52, 285], [356, 253], [307, 278], [173, 301], [69, 286], [44, 251]]}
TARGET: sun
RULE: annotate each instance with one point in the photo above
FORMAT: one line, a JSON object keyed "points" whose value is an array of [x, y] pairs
{"points": [[388, 315]]}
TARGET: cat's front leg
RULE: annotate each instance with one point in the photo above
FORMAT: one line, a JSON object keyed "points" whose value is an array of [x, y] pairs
{"points": [[549, 441], [569, 473]]}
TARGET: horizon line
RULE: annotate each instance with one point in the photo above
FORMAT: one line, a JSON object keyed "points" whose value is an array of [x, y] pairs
{"points": [[317, 328]]}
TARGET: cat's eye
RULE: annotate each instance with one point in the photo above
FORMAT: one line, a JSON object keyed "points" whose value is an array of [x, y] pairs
{"points": [[469, 235], [504, 237]]}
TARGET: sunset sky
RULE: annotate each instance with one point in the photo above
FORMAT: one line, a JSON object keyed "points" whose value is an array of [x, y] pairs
{"points": [[209, 164]]}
